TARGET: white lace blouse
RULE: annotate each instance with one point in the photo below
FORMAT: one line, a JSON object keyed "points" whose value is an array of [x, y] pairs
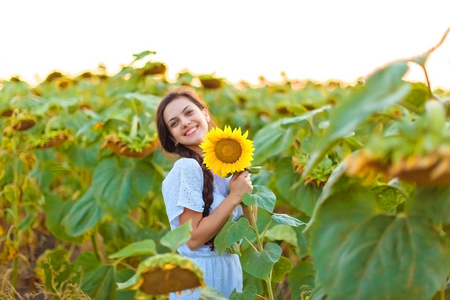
{"points": [[182, 188]]}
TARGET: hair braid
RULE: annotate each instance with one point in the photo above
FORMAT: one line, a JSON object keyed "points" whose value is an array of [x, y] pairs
{"points": [[208, 179]]}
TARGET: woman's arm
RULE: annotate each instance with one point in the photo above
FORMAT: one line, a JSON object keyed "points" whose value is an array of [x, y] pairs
{"points": [[205, 228]]}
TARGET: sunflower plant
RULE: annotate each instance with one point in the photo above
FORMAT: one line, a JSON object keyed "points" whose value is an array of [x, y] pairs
{"points": [[159, 274], [229, 152]]}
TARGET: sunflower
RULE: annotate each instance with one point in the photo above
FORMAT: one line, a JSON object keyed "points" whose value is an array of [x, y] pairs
{"points": [[162, 274], [226, 151]]}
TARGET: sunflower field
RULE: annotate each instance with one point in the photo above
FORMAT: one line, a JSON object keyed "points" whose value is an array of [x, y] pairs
{"points": [[353, 194]]}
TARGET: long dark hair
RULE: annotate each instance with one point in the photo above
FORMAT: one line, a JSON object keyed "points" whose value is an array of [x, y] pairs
{"points": [[168, 143]]}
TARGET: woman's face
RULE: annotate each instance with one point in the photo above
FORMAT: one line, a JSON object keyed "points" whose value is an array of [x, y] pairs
{"points": [[187, 123]]}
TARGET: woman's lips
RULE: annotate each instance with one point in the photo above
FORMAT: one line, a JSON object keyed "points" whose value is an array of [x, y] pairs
{"points": [[191, 130]]}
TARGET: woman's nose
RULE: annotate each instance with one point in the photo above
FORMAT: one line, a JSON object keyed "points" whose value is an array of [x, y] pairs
{"points": [[185, 122]]}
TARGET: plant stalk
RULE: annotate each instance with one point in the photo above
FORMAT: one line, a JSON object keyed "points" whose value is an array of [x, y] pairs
{"points": [[261, 248], [15, 211], [258, 238], [269, 287], [95, 246]]}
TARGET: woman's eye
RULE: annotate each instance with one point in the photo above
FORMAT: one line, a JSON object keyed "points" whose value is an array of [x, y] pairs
{"points": [[189, 112], [173, 124]]}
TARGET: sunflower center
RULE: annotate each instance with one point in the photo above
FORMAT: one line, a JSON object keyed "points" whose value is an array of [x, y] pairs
{"points": [[228, 150]]}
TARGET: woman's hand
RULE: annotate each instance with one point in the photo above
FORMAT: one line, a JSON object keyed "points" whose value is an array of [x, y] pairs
{"points": [[204, 228], [239, 185]]}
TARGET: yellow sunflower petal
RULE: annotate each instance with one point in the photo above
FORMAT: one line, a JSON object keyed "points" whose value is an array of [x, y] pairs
{"points": [[227, 151]]}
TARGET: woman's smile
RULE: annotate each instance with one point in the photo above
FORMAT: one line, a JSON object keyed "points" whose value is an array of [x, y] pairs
{"points": [[191, 131]]}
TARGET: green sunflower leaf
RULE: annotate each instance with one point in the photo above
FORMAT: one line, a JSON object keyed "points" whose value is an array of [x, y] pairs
{"points": [[262, 197], [260, 264]]}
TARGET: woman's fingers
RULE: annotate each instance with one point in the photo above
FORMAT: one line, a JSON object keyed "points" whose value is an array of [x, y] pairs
{"points": [[242, 182]]}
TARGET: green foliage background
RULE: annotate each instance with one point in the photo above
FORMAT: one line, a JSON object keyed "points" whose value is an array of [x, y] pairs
{"points": [[340, 215]]}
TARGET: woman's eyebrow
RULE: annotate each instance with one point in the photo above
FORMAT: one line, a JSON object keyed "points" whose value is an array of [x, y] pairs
{"points": [[181, 112]]}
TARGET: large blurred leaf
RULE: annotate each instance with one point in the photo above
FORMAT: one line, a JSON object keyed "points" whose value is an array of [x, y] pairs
{"points": [[334, 184], [100, 283], [121, 184], [131, 283], [86, 261], [83, 215], [63, 102], [230, 233], [262, 197], [28, 102], [11, 192], [282, 233], [282, 267], [117, 236], [303, 244], [304, 116], [208, 293], [433, 203], [274, 138], [388, 197], [83, 156], [335, 219], [249, 293], [260, 264], [286, 220], [360, 255], [301, 280], [150, 101], [7, 171], [177, 237], [383, 88], [56, 273], [144, 247], [122, 276], [55, 210], [99, 280], [42, 174], [416, 98], [298, 195]]}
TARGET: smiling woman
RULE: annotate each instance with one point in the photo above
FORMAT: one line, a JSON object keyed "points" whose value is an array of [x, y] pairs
{"points": [[192, 193]]}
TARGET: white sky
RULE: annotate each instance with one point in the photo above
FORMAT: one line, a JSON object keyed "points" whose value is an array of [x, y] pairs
{"points": [[236, 39]]}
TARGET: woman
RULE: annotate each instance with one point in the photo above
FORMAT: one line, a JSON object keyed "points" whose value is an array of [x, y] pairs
{"points": [[192, 193]]}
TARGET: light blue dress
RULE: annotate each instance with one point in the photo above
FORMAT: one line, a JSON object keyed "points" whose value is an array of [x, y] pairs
{"points": [[182, 188]]}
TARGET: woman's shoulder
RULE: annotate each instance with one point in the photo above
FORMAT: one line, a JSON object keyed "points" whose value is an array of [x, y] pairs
{"points": [[184, 166], [186, 162]]}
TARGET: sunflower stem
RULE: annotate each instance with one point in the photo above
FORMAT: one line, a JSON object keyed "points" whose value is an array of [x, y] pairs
{"points": [[261, 248], [269, 287], [258, 238], [250, 243], [265, 229], [95, 247], [134, 126]]}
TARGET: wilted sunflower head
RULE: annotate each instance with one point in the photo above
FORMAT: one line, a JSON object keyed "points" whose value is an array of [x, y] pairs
{"points": [[226, 151], [162, 274]]}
